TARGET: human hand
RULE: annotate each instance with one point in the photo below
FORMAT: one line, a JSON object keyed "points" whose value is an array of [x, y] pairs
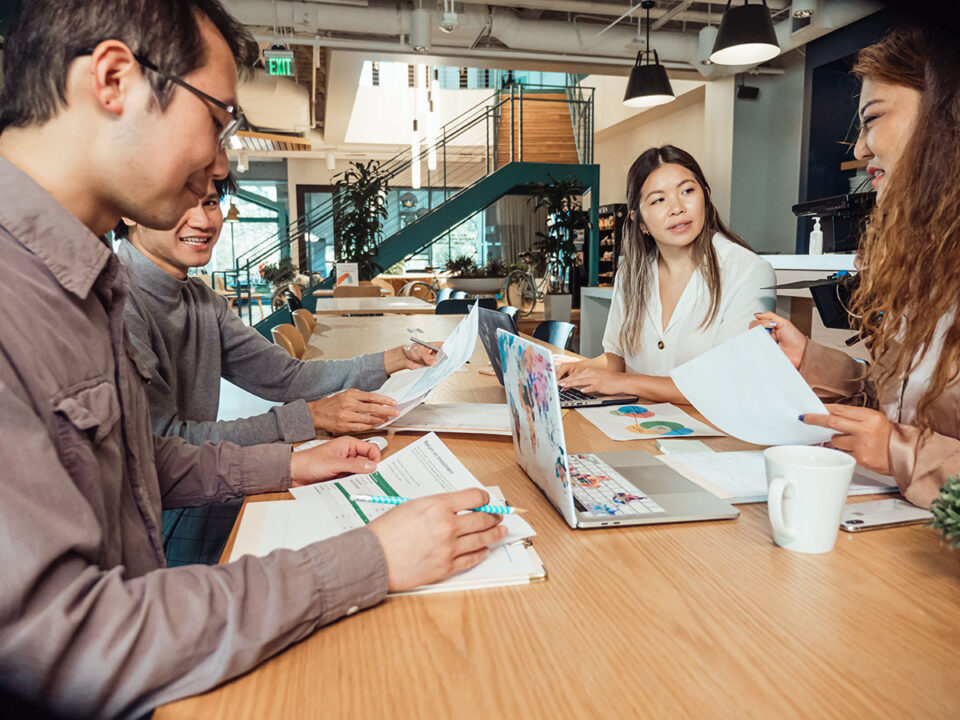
{"points": [[785, 334], [565, 366], [595, 380], [864, 433], [342, 456], [409, 357], [351, 411], [425, 540]]}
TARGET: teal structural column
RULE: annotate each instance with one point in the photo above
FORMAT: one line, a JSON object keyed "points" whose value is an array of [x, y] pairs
{"points": [[594, 235]]}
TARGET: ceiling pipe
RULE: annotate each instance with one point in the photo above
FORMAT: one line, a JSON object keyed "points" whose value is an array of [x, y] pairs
{"points": [[546, 40]]}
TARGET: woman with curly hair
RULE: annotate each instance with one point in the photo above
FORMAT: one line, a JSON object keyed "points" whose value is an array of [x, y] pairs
{"points": [[904, 413]]}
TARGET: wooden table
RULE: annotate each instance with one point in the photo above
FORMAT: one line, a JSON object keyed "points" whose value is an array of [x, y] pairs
{"points": [[361, 305], [705, 619]]}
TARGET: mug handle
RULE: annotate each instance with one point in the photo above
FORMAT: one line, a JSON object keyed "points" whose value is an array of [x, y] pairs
{"points": [[778, 488]]}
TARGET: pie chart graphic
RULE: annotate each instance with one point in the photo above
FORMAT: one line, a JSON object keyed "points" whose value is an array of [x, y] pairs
{"points": [[633, 411], [659, 427]]}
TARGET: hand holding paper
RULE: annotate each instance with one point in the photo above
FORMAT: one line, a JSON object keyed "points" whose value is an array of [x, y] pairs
{"points": [[748, 388]]}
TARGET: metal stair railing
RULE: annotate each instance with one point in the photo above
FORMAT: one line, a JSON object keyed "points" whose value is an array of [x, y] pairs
{"points": [[453, 158]]}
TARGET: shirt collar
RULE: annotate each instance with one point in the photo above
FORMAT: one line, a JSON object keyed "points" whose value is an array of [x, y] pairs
{"points": [[146, 275], [32, 216]]}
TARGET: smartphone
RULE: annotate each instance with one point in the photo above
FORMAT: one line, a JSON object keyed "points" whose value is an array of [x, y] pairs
{"points": [[877, 514]]}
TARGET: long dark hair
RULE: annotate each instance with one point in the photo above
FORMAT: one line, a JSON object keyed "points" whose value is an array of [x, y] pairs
{"points": [[634, 276]]}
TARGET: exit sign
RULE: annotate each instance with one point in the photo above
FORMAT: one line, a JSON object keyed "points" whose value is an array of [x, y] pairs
{"points": [[279, 62]]}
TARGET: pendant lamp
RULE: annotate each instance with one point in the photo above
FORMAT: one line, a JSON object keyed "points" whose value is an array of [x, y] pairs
{"points": [[648, 84], [746, 35]]}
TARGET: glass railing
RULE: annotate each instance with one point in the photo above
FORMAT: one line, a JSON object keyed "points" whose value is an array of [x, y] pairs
{"points": [[455, 157]]}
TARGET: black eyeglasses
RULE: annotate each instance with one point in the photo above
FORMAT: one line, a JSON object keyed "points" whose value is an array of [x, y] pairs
{"points": [[236, 114]]}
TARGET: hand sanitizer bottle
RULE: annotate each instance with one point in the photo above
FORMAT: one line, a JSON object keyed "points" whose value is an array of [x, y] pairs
{"points": [[816, 239]]}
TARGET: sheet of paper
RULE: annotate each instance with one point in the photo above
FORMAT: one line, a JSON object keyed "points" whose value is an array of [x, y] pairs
{"points": [[425, 467], [645, 421], [412, 387], [740, 477], [479, 418], [748, 389]]}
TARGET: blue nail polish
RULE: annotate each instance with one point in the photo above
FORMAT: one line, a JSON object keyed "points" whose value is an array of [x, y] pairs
{"points": [[801, 417], [770, 331]]}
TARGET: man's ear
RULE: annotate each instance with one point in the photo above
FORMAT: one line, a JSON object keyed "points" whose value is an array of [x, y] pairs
{"points": [[113, 72], [128, 222]]}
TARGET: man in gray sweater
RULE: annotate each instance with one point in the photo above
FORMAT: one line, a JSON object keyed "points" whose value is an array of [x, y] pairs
{"points": [[189, 338]]}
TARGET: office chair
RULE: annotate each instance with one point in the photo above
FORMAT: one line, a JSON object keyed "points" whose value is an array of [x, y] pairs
{"points": [[458, 295], [462, 307], [555, 332], [444, 294]]}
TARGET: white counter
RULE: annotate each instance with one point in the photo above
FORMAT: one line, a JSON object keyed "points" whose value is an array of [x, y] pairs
{"points": [[810, 262]]}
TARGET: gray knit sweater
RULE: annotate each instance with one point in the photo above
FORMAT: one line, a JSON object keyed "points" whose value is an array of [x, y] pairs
{"points": [[189, 337]]}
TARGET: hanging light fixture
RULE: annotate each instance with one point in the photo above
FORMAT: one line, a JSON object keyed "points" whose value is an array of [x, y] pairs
{"points": [[648, 84], [233, 214], [746, 35]]}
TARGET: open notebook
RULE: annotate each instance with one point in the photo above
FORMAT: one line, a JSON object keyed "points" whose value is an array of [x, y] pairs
{"points": [[425, 467]]}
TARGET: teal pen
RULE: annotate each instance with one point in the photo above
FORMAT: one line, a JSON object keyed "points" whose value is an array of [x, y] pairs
{"points": [[395, 500]]}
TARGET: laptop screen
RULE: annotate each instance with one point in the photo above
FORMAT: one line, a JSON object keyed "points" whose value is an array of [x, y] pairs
{"points": [[488, 322], [536, 421]]}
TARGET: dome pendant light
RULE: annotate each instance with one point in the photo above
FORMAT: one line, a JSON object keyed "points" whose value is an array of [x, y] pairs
{"points": [[746, 36], [648, 84]]}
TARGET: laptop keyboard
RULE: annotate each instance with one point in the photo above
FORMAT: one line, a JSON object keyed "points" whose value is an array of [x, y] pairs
{"points": [[601, 491], [573, 395]]}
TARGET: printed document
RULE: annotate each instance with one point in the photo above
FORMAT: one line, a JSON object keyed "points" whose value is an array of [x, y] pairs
{"points": [[748, 389], [741, 477], [645, 421], [425, 467], [471, 418], [411, 387]]}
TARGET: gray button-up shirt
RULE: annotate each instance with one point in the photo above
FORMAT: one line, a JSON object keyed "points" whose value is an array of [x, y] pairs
{"points": [[91, 622]]}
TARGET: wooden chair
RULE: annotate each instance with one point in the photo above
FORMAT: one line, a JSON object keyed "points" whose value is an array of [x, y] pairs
{"points": [[357, 291], [290, 339], [386, 285], [305, 321]]}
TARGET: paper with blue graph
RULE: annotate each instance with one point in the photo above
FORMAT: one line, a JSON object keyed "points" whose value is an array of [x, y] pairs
{"points": [[425, 467], [411, 387], [748, 388], [645, 421]]}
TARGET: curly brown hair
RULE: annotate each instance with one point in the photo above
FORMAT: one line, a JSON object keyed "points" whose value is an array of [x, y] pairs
{"points": [[910, 252]]}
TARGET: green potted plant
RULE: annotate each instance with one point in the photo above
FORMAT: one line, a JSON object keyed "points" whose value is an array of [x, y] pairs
{"points": [[359, 213], [946, 511], [562, 199], [466, 275]]}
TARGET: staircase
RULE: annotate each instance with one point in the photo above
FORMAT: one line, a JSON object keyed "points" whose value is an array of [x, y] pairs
{"points": [[535, 129], [475, 165]]}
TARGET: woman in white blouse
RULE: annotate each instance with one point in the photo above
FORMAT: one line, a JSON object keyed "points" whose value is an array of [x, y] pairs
{"points": [[685, 284]]}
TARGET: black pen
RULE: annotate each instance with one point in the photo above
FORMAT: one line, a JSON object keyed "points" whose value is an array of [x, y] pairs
{"points": [[426, 345]]}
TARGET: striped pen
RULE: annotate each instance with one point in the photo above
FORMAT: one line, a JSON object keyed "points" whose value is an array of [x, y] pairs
{"points": [[395, 500]]}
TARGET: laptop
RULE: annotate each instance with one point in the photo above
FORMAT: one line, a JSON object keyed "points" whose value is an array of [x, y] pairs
{"points": [[489, 321], [595, 489]]}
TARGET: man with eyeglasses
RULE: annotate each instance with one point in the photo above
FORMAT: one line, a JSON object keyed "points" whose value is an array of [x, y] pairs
{"points": [[92, 623]]}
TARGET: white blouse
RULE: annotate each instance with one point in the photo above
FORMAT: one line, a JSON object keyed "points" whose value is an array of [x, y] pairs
{"points": [[744, 276]]}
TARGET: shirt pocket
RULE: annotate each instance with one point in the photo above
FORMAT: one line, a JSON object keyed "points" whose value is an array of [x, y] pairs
{"points": [[91, 408]]}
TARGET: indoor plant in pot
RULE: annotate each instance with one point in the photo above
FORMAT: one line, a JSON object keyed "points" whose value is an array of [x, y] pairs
{"points": [[562, 199], [946, 512], [466, 275], [359, 214]]}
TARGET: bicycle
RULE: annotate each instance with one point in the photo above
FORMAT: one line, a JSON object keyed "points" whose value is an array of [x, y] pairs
{"points": [[523, 291], [426, 291]]}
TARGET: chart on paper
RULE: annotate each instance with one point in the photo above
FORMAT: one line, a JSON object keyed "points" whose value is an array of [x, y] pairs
{"points": [[645, 422]]}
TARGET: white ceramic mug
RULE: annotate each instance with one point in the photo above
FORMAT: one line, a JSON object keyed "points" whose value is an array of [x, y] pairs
{"points": [[807, 489]]}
